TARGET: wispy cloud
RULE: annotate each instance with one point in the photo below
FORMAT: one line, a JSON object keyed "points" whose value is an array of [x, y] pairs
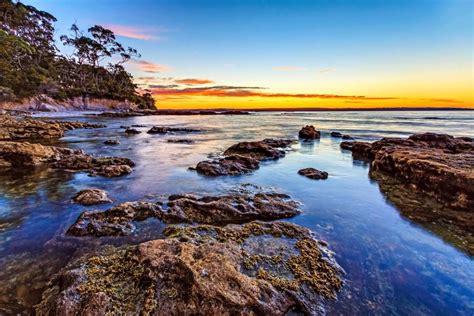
{"points": [[140, 33], [193, 81], [326, 70], [235, 91], [289, 68], [149, 67]]}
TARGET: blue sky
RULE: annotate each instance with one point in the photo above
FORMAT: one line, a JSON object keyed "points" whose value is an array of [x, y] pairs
{"points": [[404, 49]]}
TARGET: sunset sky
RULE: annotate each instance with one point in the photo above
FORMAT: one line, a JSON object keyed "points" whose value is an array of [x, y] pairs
{"points": [[270, 54]]}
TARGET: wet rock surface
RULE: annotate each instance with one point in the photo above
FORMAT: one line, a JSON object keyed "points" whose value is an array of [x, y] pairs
{"points": [[186, 208], [112, 142], [437, 164], [24, 128], [257, 268], [244, 157], [117, 221], [170, 130], [91, 197], [27, 155], [313, 173], [131, 131], [309, 132], [340, 135], [228, 166], [181, 141]]}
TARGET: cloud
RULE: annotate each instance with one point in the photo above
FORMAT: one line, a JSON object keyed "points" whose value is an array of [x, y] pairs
{"points": [[289, 68], [131, 32], [235, 91], [149, 67], [326, 70], [191, 82]]}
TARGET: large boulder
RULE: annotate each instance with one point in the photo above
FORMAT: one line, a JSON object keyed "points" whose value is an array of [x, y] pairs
{"points": [[255, 269]]}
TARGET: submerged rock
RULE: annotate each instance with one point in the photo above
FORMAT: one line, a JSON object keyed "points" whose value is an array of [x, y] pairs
{"points": [[308, 132], [244, 157], [181, 141], [437, 164], [91, 197], [117, 221], [22, 128], [27, 155], [217, 210], [340, 135], [112, 142], [313, 173], [254, 269], [131, 131], [166, 130]]}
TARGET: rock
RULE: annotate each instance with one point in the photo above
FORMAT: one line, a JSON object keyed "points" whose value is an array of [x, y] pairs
{"points": [[138, 125], [313, 173], [23, 128], [186, 208], [254, 269], [112, 142], [111, 171], [339, 135], [267, 149], [117, 221], [27, 155], [308, 132], [181, 141], [360, 150], [228, 166], [244, 157], [131, 131], [437, 164], [236, 208], [91, 197], [166, 129]]}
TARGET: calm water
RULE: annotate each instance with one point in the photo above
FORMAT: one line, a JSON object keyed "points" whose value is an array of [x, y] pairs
{"points": [[393, 266]]}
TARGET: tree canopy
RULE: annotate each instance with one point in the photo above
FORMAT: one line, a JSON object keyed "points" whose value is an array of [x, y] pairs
{"points": [[30, 62]]}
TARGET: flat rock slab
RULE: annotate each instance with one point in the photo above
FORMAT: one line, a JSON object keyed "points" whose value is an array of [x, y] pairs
{"points": [[313, 173], [186, 208], [27, 155], [244, 157], [23, 128], [172, 130], [91, 197], [254, 269]]}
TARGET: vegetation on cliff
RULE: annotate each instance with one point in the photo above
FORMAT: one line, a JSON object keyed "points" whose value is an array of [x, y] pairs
{"points": [[31, 64]]}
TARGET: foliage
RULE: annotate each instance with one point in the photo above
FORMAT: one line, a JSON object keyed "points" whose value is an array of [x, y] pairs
{"points": [[31, 65]]}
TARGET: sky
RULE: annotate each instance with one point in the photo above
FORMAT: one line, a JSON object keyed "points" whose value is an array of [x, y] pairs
{"points": [[290, 54]]}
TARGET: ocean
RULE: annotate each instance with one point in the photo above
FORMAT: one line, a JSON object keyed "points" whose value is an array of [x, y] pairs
{"points": [[393, 264]]}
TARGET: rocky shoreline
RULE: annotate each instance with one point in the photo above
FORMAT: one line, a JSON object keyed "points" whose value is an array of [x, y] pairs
{"points": [[223, 254]]}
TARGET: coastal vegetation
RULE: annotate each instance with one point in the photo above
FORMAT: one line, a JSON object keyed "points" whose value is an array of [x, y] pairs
{"points": [[31, 64]]}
